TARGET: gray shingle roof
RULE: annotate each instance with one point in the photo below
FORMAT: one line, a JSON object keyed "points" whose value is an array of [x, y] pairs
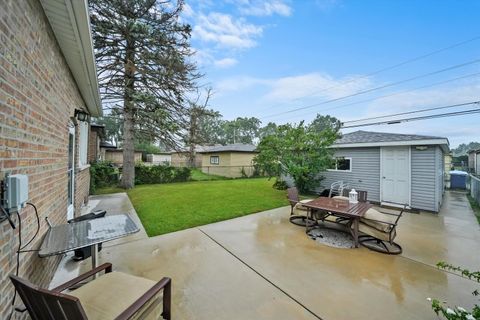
{"points": [[370, 137], [237, 147]]}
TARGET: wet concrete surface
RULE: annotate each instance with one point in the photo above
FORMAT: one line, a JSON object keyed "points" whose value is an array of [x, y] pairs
{"points": [[263, 267]]}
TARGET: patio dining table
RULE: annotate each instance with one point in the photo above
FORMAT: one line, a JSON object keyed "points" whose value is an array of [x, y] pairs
{"points": [[87, 233], [339, 208]]}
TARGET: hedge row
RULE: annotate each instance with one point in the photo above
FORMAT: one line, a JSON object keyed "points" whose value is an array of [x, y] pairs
{"points": [[105, 174]]}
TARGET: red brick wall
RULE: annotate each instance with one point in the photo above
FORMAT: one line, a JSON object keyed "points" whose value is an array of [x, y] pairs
{"points": [[93, 146], [37, 99]]}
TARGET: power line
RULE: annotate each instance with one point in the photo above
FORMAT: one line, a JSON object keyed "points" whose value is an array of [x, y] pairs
{"points": [[376, 88], [441, 115], [396, 93], [426, 55], [415, 111]]}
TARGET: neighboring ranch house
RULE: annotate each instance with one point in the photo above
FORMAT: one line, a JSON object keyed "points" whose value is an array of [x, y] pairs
{"points": [[233, 160], [159, 158], [394, 169], [48, 87], [180, 158], [115, 156]]}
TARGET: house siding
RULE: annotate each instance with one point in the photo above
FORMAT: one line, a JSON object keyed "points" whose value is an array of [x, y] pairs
{"points": [[365, 173], [424, 187], [38, 97]]}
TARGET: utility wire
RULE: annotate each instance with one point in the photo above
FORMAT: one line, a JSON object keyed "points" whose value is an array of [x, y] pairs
{"points": [[415, 111], [391, 84], [441, 115], [395, 93], [394, 66]]}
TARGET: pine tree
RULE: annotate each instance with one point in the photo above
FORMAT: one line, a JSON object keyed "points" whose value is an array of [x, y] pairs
{"points": [[142, 52]]}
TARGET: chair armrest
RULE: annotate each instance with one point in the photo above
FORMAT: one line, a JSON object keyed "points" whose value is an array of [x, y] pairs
{"points": [[106, 266], [166, 285], [389, 213]]}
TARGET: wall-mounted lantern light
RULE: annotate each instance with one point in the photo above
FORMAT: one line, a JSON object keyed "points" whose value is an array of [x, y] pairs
{"points": [[81, 115]]}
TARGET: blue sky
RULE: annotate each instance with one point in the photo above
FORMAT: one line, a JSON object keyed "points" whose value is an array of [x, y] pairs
{"points": [[266, 57]]}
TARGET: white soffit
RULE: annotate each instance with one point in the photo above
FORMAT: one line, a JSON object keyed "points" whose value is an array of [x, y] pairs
{"points": [[70, 23]]}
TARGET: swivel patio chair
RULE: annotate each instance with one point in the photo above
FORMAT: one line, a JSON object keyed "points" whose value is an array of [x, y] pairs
{"points": [[379, 229], [114, 295], [298, 213]]}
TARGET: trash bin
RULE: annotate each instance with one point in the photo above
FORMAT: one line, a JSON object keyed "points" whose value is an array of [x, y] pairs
{"points": [[84, 253], [458, 179]]}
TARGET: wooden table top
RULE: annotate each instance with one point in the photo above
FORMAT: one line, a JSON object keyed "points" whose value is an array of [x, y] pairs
{"points": [[339, 206]]}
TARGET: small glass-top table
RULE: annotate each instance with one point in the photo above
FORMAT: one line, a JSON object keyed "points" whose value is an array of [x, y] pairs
{"points": [[68, 237]]}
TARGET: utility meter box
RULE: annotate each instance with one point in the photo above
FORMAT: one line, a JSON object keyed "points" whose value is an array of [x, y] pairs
{"points": [[16, 191]]}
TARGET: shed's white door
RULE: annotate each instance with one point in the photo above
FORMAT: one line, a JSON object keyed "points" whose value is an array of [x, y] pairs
{"points": [[395, 175]]}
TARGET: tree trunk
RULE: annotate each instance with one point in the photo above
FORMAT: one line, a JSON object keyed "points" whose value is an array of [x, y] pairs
{"points": [[192, 138], [128, 169]]}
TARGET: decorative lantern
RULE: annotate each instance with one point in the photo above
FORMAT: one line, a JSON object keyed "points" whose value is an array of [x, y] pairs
{"points": [[353, 196]]}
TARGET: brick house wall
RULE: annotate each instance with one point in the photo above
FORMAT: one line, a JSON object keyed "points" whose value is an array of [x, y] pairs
{"points": [[38, 97], [93, 146]]}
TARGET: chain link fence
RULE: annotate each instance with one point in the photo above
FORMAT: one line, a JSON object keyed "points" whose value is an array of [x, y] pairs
{"points": [[230, 171], [475, 188]]}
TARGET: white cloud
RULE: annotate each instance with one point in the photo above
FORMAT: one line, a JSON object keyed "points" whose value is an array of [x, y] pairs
{"points": [[226, 31], [187, 11], [239, 83], [264, 8], [315, 85], [226, 62]]}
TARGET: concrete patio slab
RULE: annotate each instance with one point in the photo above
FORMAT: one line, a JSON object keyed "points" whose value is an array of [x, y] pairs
{"points": [[263, 267], [208, 283], [337, 283], [452, 236]]}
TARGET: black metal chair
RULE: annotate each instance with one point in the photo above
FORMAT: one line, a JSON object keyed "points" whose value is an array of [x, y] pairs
{"points": [[298, 213], [378, 231]]}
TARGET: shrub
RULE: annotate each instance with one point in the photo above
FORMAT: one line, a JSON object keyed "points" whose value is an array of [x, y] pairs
{"points": [[160, 174], [102, 174], [280, 185]]}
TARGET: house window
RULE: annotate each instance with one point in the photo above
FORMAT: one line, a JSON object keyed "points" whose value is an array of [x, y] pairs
{"points": [[214, 160], [82, 143], [342, 164]]}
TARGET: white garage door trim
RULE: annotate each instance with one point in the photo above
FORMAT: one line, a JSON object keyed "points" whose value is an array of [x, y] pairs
{"points": [[382, 200]]}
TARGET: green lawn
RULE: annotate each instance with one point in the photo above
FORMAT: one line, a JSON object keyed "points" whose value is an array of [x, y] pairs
{"points": [[198, 175], [164, 208]]}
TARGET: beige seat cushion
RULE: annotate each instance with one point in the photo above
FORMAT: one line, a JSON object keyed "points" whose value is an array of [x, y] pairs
{"points": [[299, 208], [371, 231], [340, 198], [110, 294], [377, 215]]}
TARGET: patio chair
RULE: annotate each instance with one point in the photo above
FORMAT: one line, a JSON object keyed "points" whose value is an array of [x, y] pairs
{"points": [[379, 229], [336, 188], [298, 213], [114, 295]]}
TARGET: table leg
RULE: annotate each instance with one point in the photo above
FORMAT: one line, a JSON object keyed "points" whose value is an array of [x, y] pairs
{"points": [[94, 249], [355, 231]]}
